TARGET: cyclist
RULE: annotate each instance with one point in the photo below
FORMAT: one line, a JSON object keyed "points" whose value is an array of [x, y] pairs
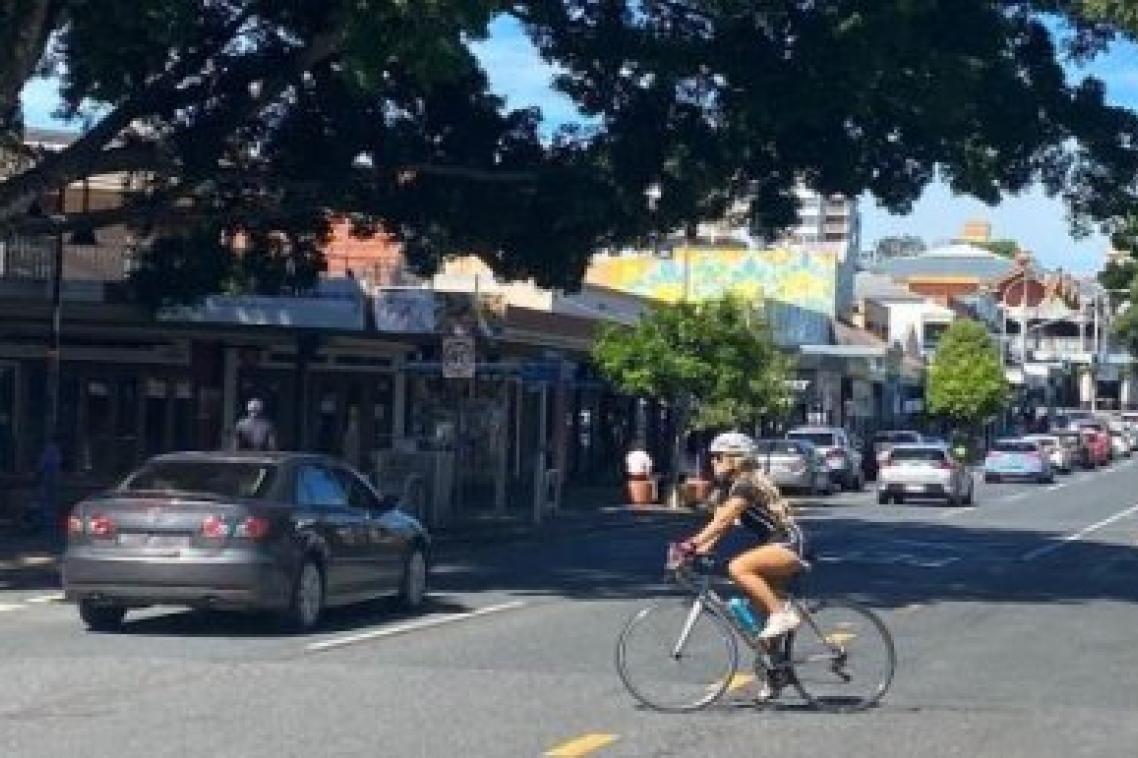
{"points": [[746, 496]]}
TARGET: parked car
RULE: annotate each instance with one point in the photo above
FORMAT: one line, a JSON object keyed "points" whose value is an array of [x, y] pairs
{"points": [[884, 441], [284, 532], [1017, 459], [1099, 440], [842, 460], [795, 465], [923, 471], [1119, 444], [1080, 447], [1062, 456]]}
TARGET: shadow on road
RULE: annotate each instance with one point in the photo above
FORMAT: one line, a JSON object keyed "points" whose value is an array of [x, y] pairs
{"points": [[885, 564]]}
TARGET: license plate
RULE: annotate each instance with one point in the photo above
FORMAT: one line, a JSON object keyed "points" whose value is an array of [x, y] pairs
{"points": [[154, 541]]}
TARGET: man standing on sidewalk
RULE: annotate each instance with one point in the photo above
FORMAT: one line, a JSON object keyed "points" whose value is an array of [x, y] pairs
{"points": [[254, 431]]}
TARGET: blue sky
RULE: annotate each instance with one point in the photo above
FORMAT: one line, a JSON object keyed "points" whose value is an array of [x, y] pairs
{"points": [[1037, 222]]}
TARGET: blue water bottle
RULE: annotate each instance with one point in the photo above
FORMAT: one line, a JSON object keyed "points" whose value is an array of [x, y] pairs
{"points": [[741, 609]]}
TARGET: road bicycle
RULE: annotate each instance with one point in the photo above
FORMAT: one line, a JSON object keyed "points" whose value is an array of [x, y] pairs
{"points": [[681, 654]]}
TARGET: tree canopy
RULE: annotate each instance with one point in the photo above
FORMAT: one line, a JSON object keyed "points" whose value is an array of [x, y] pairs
{"points": [[260, 116], [715, 357], [966, 381], [1004, 247]]}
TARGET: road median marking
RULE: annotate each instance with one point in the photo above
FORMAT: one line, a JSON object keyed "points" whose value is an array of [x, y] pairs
{"points": [[1052, 547], [414, 626], [582, 745]]}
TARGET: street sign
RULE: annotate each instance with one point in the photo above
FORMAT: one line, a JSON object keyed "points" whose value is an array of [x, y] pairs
{"points": [[458, 358]]}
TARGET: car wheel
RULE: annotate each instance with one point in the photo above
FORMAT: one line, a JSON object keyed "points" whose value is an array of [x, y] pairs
{"points": [[951, 500], [306, 606], [882, 498], [413, 586], [991, 478], [100, 617], [899, 499], [968, 498]]}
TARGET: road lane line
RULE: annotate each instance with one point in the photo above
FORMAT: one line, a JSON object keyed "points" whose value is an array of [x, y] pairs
{"points": [[54, 597], [582, 745], [958, 511], [412, 627], [5, 607], [1077, 535], [1016, 496], [1054, 487]]}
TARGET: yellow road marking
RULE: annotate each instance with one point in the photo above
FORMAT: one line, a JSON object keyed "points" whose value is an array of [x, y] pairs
{"points": [[582, 745], [840, 638], [740, 680]]}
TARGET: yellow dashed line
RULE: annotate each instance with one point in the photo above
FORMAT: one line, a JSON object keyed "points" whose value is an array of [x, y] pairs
{"points": [[582, 745]]}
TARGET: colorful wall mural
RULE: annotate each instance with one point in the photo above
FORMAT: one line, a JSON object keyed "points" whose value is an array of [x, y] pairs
{"points": [[798, 288]]}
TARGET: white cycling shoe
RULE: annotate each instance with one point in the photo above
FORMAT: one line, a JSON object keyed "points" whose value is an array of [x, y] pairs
{"points": [[779, 623]]}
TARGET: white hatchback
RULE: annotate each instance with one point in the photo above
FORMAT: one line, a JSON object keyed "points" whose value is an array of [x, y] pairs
{"points": [[923, 471]]}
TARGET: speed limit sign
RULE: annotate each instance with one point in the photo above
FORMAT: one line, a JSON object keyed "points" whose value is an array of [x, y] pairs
{"points": [[458, 358]]}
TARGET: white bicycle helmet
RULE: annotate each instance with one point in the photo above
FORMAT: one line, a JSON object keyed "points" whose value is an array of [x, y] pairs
{"points": [[733, 443]]}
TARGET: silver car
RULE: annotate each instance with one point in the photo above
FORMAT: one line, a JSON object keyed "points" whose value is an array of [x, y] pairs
{"points": [[1062, 457], [795, 465], [842, 459], [924, 471], [284, 532]]}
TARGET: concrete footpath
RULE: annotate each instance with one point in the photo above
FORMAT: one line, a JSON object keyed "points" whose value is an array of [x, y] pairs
{"points": [[32, 561]]}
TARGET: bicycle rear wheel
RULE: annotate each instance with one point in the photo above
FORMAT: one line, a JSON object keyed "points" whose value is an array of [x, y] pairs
{"points": [[677, 655], [842, 656]]}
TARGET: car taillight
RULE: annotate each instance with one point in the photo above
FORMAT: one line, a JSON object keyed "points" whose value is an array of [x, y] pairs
{"points": [[252, 528], [100, 526], [215, 528], [944, 465]]}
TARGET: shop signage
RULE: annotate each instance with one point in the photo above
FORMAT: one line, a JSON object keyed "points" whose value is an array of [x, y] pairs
{"points": [[458, 358]]}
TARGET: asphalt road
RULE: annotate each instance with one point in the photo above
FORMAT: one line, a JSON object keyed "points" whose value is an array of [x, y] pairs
{"points": [[1015, 624]]}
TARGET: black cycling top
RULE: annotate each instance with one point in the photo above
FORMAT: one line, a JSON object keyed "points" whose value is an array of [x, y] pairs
{"points": [[767, 515]]}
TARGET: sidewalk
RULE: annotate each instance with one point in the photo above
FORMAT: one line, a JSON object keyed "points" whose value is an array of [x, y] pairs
{"points": [[32, 562]]}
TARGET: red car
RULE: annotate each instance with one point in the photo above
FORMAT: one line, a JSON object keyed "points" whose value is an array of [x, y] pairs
{"points": [[1098, 440]]}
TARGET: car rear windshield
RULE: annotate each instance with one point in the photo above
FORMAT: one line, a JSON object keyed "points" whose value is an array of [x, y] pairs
{"points": [[1015, 447], [824, 439], [780, 447], [244, 479], [916, 454], [896, 437]]}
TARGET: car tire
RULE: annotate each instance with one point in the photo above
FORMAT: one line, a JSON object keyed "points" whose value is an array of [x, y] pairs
{"points": [[413, 584], [899, 499], [991, 478], [969, 498], [882, 498], [307, 601], [100, 617]]}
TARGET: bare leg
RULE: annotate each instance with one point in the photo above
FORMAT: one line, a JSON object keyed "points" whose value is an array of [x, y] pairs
{"points": [[760, 570]]}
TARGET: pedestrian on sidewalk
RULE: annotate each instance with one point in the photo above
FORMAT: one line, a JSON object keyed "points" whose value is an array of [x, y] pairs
{"points": [[254, 431]]}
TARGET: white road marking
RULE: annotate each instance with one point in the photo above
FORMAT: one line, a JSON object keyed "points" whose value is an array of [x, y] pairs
{"points": [[1054, 487], [1017, 496], [958, 512], [412, 627], [4, 607], [54, 597], [1041, 551]]}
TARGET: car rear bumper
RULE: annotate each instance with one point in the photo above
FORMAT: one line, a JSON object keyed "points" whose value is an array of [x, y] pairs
{"points": [[1014, 473], [244, 580], [791, 480], [915, 489]]}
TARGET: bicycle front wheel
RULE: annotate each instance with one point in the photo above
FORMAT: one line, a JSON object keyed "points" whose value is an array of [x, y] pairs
{"points": [[842, 656], [677, 655]]}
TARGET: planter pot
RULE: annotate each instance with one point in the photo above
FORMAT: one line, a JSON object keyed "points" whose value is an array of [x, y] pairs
{"points": [[697, 490], [639, 491]]}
